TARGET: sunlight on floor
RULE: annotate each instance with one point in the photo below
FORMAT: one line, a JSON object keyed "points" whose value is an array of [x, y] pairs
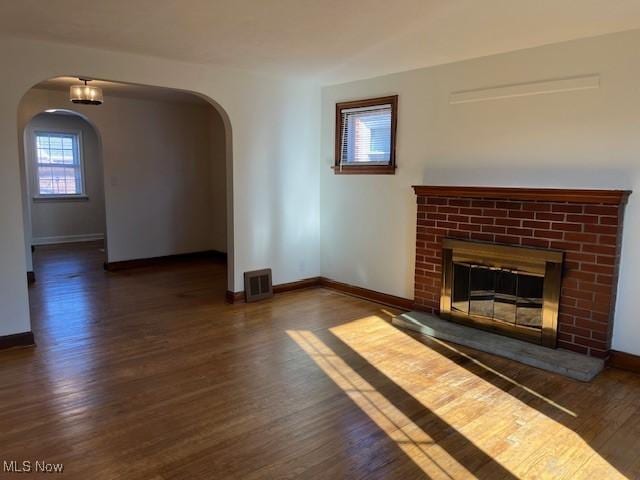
{"points": [[477, 362], [432, 459], [511, 424], [508, 379]]}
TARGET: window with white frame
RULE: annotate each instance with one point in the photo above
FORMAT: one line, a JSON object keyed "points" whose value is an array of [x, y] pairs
{"points": [[58, 169]]}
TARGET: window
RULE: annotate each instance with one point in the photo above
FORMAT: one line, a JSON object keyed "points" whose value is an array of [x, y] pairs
{"points": [[366, 136], [58, 169]]}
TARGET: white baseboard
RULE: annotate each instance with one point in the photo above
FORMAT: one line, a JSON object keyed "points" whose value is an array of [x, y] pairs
{"points": [[91, 237]]}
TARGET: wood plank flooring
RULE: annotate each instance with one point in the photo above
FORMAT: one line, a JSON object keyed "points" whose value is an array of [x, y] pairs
{"points": [[148, 374]]}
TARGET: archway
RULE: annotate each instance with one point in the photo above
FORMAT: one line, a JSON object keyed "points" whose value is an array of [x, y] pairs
{"points": [[96, 118], [62, 181]]}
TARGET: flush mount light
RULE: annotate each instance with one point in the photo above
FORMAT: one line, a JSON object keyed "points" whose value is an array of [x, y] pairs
{"points": [[85, 94]]}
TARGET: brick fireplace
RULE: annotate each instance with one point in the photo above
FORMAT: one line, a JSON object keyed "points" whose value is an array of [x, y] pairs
{"points": [[586, 225]]}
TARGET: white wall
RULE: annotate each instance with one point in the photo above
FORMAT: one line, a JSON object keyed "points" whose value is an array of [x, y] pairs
{"points": [[67, 218], [578, 139], [217, 181], [272, 187], [160, 160]]}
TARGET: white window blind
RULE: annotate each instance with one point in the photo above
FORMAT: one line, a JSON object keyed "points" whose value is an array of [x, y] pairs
{"points": [[58, 164], [366, 135]]}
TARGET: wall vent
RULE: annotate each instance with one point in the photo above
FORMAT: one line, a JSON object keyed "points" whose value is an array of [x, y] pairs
{"points": [[257, 285]]}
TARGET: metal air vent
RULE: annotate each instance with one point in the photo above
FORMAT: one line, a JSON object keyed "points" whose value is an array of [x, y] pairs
{"points": [[257, 285]]}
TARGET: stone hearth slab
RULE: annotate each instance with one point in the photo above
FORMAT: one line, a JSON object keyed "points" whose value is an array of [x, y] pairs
{"points": [[567, 363]]}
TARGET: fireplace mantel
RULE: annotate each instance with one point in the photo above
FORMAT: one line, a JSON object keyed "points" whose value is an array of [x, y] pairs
{"points": [[607, 197]]}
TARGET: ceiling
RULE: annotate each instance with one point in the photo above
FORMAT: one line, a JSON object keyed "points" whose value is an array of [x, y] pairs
{"points": [[328, 40], [128, 90]]}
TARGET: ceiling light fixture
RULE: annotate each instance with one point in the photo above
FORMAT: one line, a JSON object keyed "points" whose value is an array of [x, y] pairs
{"points": [[85, 94]]}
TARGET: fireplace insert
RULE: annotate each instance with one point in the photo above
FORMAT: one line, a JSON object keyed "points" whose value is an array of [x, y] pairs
{"points": [[509, 290]]}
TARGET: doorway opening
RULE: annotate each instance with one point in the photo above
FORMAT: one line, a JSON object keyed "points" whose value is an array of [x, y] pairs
{"points": [[164, 179], [64, 191]]}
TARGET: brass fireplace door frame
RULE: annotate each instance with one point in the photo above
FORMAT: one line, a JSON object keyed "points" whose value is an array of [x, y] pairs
{"points": [[532, 261]]}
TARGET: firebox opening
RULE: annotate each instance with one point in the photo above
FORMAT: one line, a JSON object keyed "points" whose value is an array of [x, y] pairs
{"points": [[512, 290], [499, 294]]}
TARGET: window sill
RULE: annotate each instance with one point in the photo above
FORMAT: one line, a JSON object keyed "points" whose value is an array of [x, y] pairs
{"points": [[60, 198], [364, 170]]}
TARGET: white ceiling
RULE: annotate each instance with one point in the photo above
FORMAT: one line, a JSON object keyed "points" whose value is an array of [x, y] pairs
{"points": [[128, 90], [330, 40]]}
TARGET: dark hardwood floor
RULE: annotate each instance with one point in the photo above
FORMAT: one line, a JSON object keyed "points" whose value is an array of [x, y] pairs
{"points": [[148, 374]]}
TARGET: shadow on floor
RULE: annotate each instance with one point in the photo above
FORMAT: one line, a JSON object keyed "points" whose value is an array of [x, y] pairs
{"points": [[385, 402], [613, 398]]}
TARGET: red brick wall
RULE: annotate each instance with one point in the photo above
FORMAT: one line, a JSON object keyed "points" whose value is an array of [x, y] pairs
{"points": [[588, 234]]}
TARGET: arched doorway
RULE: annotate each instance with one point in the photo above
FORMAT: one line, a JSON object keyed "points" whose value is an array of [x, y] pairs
{"points": [[63, 182], [119, 210], [162, 196]]}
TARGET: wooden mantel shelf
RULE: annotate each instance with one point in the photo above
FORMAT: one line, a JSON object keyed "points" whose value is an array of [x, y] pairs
{"points": [[609, 197]]}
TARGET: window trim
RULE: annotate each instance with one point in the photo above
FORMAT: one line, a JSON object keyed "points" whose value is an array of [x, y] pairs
{"points": [[365, 169], [35, 184]]}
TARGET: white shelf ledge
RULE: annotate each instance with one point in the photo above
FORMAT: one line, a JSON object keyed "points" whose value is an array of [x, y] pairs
{"points": [[525, 89]]}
